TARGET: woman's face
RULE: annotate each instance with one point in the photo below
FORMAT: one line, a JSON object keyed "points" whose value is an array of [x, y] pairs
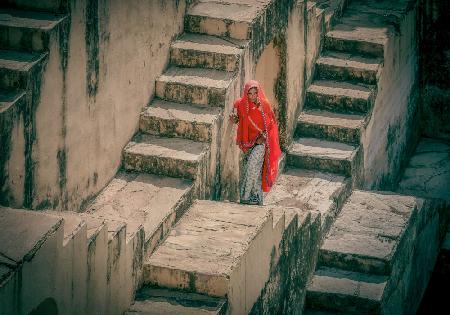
{"points": [[253, 94]]}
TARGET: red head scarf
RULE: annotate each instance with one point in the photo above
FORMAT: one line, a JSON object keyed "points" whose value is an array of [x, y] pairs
{"points": [[272, 149]]}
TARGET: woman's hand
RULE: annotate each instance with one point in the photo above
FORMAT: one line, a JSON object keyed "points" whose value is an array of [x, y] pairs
{"points": [[261, 138], [234, 118]]}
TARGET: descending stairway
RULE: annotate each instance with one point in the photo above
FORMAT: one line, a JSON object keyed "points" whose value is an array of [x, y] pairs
{"points": [[25, 38]]}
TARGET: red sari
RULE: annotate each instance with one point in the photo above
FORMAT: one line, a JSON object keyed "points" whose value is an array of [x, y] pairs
{"points": [[253, 121]]}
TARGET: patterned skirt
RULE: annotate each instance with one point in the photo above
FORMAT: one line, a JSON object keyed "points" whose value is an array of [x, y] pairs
{"points": [[251, 191]]}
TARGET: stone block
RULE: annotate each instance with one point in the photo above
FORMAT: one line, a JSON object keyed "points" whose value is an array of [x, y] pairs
{"points": [[350, 292], [362, 40], [203, 51], [326, 156], [210, 251], [158, 301], [347, 67], [186, 121], [16, 68], [339, 97], [194, 85], [330, 126], [164, 156], [28, 30], [368, 232], [41, 5]]}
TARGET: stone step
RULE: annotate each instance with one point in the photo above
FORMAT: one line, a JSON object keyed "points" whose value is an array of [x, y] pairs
{"points": [[203, 51], [160, 301], [345, 291], [347, 67], [222, 19], [179, 120], [330, 126], [321, 155], [10, 100], [16, 68], [311, 191], [164, 156], [154, 201], [339, 96], [213, 250], [27, 30], [369, 233], [194, 85], [362, 40], [41, 5]]}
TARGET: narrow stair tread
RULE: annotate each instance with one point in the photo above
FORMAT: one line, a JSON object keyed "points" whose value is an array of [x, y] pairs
{"points": [[371, 225], [361, 33], [29, 19], [160, 301], [19, 61], [337, 281], [338, 88], [197, 77], [9, 97], [210, 238], [327, 118], [234, 11], [73, 222], [183, 112], [176, 148], [341, 59], [144, 198], [207, 43], [322, 149]]}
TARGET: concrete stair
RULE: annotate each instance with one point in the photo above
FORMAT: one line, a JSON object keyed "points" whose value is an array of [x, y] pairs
{"points": [[158, 301], [186, 121], [322, 155], [212, 250], [10, 102], [17, 69], [203, 51], [363, 40], [364, 262], [164, 156], [345, 66], [330, 126], [194, 85], [232, 20], [339, 96], [28, 30]]}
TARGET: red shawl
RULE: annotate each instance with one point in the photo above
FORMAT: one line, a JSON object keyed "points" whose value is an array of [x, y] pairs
{"points": [[247, 133]]}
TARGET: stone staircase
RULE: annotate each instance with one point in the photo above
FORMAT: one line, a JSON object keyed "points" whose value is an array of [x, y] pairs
{"points": [[338, 106], [26, 39]]}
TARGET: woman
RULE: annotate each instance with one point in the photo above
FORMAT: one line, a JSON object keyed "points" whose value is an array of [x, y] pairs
{"points": [[257, 136]]}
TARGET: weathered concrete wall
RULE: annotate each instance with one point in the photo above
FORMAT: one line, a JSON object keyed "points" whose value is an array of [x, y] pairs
{"points": [[392, 131], [434, 41], [293, 262], [100, 74]]}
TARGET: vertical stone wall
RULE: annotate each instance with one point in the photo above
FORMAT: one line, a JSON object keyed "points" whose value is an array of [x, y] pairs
{"points": [[100, 73], [393, 129], [434, 39]]}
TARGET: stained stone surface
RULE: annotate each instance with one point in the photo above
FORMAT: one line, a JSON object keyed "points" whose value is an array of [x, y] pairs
{"points": [[141, 198], [349, 291], [235, 10], [179, 120], [29, 19], [309, 191], [368, 231], [428, 171], [22, 233], [9, 98], [206, 245], [158, 301]]}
